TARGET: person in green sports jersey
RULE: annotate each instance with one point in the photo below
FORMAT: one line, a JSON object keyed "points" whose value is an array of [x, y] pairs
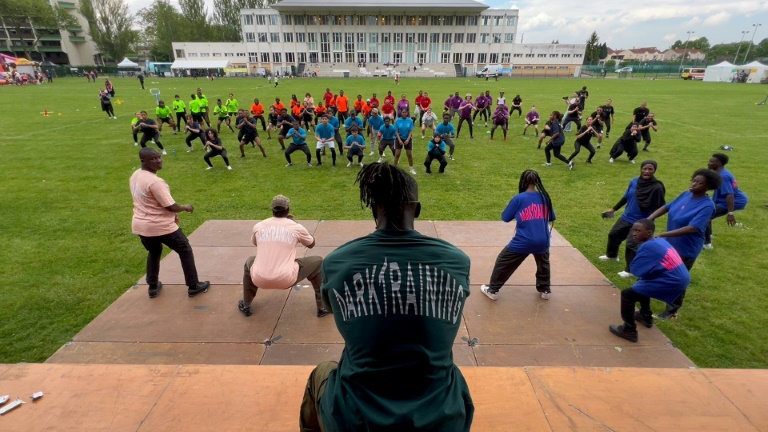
{"points": [[180, 108], [163, 114], [397, 298], [203, 106], [220, 111], [233, 106], [194, 109]]}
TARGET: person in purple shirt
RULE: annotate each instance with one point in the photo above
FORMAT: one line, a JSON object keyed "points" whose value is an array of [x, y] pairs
{"points": [[447, 106], [532, 211], [490, 103], [688, 216], [456, 102], [481, 102], [728, 198], [500, 117], [465, 115], [532, 119], [404, 104], [662, 275]]}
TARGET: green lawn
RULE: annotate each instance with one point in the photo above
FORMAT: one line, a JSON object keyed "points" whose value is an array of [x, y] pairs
{"points": [[65, 208]]}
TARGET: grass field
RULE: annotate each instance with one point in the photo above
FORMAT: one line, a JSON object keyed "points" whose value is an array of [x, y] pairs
{"points": [[65, 208]]}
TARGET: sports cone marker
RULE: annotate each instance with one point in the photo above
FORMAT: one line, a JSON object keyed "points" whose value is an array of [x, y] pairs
{"points": [[45, 114]]}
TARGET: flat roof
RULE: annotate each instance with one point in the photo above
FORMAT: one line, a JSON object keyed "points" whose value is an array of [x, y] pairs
{"points": [[389, 7]]}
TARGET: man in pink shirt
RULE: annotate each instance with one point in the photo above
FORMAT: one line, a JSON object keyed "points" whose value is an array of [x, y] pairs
{"points": [[275, 265], [156, 223]]}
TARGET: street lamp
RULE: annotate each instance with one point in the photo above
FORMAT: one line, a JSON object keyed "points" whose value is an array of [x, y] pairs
{"points": [[743, 33], [690, 32], [752, 41]]}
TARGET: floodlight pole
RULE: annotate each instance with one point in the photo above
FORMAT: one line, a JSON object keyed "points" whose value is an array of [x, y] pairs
{"points": [[752, 41], [685, 51], [743, 33]]}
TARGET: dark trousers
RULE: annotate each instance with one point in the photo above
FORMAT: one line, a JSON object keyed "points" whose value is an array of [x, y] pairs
{"points": [[607, 126], [518, 109], [180, 117], [567, 119], [482, 113], [461, 121], [318, 154], [191, 137], [440, 158], [506, 264], [620, 147], [145, 138], [678, 303], [309, 269], [178, 243], [451, 145], [551, 148], [309, 417], [719, 212], [355, 151], [628, 299], [263, 123], [212, 153], [622, 230], [577, 149], [293, 147]]}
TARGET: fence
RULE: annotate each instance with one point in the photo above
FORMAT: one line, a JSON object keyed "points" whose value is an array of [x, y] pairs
{"points": [[638, 70]]}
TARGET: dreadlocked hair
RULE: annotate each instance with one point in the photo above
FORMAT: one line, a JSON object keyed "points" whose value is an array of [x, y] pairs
{"points": [[385, 185], [532, 177]]}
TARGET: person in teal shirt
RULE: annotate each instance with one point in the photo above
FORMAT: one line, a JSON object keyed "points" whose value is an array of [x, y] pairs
{"points": [[298, 138], [355, 146], [397, 298]]}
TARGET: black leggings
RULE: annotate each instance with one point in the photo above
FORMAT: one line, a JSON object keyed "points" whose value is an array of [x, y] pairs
{"points": [[551, 148], [213, 152], [518, 109], [469, 122], [191, 137], [620, 147], [577, 149], [293, 147], [180, 117], [145, 138], [622, 230], [482, 113], [678, 303]]}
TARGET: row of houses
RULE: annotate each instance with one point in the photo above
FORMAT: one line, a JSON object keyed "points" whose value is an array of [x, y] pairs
{"points": [[653, 54]]}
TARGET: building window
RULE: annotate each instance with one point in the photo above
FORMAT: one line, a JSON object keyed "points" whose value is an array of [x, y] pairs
{"points": [[253, 57], [423, 20], [551, 67], [497, 20], [539, 67], [518, 55], [458, 37], [469, 57], [250, 37], [494, 58], [190, 54], [217, 54], [481, 57], [541, 55], [435, 20], [448, 20], [484, 38], [553, 55], [528, 67], [265, 57], [276, 57], [261, 20], [179, 53], [509, 37], [288, 37], [274, 37], [273, 20], [472, 20], [497, 38], [205, 54], [511, 21], [398, 40], [373, 38], [289, 57], [529, 55], [262, 37], [471, 37], [302, 57], [372, 20], [410, 20], [422, 41], [286, 19], [299, 37], [565, 55], [486, 20], [505, 57], [386, 20], [461, 20], [247, 19], [337, 41], [240, 54], [298, 19], [447, 41], [578, 55], [229, 54], [361, 41], [563, 67]]}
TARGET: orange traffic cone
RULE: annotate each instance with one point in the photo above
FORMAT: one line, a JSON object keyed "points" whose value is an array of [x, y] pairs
{"points": [[45, 114]]}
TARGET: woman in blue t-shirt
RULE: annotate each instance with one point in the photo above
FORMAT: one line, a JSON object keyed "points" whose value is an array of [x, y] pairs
{"points": [[532, 210], [688, 216]]}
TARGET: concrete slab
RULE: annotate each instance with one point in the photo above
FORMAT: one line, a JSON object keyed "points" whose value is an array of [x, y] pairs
{"points": [[744, 388], [159, 353], [335, 233], [568, 266], [298, 354], [299, 324], [83, 397], [574, 315], [665, 356], [171, 317], [494, 234], [620, 399], [220, 233], [220, 265]]}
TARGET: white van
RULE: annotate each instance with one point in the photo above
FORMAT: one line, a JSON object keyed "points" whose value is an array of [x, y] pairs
{"points": [[490, 70]]}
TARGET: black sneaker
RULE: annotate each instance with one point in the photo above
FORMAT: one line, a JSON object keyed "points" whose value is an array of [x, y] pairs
{"points": [[200, 287], [153, 290], [646, 321], [322, 312], [666, 315], [622, 332], [245, 310]]}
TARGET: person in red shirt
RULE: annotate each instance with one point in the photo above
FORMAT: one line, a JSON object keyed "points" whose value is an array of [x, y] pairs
{"points": [[388, 110], [327, 96], [417, 106], [257, 109], [389, 98], [331, 103], [374, 101], [342, 104]]}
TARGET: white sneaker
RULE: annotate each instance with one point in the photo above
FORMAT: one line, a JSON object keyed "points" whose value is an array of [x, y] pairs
{"points": [[135, 144], [632, 161], [349, 164], [413, 171], [490, 295], [371, 154], [309, 164], [625, 274], [546, 295], [209, 168], [451, 157], [288, 165], [610, 160], [229, 167], [708, 246], [570, 165], [189, 150], [361, 164], [165, 152], [546, 164], [607, 258], [381, 160], [114, 118]]}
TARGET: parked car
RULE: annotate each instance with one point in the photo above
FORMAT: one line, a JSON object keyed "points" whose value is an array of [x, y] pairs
{"points": [[693, 73], [626, 69]]}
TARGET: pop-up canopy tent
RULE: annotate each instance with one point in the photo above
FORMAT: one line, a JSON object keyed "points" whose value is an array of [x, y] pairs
{"points": [[757, 72], [127, 65], [721, 72]]}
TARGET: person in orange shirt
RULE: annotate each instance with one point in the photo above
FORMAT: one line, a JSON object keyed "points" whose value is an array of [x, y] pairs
{"points": [[257, 109], [389, 98], [319, 111], [374, 101], [296, 110], [279, 106], [294, 102], [366, 110], [359, 102], [342, 104], [332, 102], [327, 96]]}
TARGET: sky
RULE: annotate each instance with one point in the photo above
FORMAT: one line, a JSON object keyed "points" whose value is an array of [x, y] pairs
{"points": [[626, 24]]}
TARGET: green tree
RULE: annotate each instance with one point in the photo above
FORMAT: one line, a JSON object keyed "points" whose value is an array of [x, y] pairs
{"points": [[727, 52], [21, 14], [163, 24], [110, 24], [603, 51], [196, 21], [592, 53], [701, 44]]}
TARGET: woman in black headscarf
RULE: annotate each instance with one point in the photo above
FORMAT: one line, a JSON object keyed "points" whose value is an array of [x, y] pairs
{"points": [[644, 195]]}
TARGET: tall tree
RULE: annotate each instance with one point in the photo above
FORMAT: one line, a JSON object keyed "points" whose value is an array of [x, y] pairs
{"points": [[226, 20], [110, 25], [196, 19], [592, 53], [21, 14], [163, 24], [603, 51], [701, 44]]}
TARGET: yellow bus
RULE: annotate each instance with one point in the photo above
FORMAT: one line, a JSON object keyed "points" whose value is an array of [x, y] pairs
{"points": [[692, 74]]}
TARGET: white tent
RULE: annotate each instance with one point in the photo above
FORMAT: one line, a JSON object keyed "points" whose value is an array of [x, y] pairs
{"points": [[128, 65], [721, 72], [757, 72], [200, 64]]}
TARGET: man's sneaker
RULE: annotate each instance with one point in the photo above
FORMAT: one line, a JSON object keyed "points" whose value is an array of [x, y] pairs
{"points": [[381, 160], [625, 274], [451, 157], [598, 146], [361, 164], [153, 290], [165, 152], [666, 315], [200, 287], [319, 164], [229, 167], [491, 295], [322, 312], [546, 295], [371, 154], [708, 246], [413, 171], [245, 310], [648, 322], [632, 161], [570, 165], [607, 258], [646, 150], [610, 160], [349, 164], [309, 164], [209, 168], [546, 164], [174, 132], [189, 150], [622, 332], [288, 165], [135, 144]]}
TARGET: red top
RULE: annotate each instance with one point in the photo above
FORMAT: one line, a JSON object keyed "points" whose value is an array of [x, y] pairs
{"points": [[374, 102], [328, 96], [390, 98], [424, 103]]}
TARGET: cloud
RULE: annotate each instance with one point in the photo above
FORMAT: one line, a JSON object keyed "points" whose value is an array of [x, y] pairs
{"points": [[670, 37], [718, 18]]}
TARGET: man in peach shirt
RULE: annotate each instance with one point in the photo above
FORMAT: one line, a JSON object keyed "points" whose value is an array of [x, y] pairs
{"points": [[275, 265], [156, 223]]}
